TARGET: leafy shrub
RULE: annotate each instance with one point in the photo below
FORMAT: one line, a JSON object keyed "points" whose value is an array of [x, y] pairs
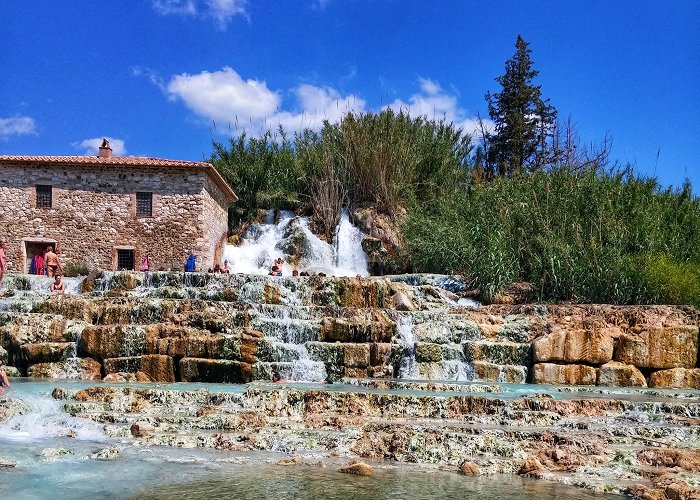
{"points": [[73, 269]]}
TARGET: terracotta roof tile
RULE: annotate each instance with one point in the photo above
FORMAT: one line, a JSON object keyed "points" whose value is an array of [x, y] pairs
{"points": [[135, 161], [95, 160]]}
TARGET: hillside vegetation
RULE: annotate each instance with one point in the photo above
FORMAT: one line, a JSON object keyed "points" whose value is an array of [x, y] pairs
{"points": [[527, 203], [592, 236]]}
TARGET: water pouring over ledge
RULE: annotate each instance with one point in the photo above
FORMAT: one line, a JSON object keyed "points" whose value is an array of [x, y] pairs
{"points": [[290, 236]]}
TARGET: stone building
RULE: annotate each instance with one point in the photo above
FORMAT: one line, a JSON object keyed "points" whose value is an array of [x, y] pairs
{"points": [[108, 212]]}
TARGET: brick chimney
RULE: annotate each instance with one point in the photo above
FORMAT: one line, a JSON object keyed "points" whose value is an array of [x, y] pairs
{"points": [[105, 150]]}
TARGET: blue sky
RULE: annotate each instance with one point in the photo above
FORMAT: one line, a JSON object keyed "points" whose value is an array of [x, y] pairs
{"points": [[164, 78]]}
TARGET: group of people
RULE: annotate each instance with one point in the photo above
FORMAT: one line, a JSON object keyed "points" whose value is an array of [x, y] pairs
{"points": [[46, 264], [220, 269]]}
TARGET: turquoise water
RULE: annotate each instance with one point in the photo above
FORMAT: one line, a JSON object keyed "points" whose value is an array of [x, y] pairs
{"points": [[84, 471]]}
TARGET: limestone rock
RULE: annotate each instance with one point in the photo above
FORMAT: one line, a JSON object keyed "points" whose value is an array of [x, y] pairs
{"points": [[111, 453], [401, 302], [126, 364], [428, 353], [3, 355], [331, 354], [660, 347], [75, 368], [112, 341], [158, 368], [574, 346], [211, 370], [619, 374], [373, 327], [491, 372], [358, 468], [47, 352], [469, 469], [682, 378], [11, 371], [531, 465], [54, 454], [686, 459], [249, 345], [380, 353], [356, 355], [499, 353], [550, 373], [289, 461], [141, 429]]}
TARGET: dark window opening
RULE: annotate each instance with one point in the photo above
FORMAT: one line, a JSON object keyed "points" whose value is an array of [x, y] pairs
{"points": [[125, 260], [144, 204], [43, 196]]}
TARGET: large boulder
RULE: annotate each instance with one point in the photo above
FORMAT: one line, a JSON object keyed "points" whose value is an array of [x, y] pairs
{"points": [[574, 346], [619, 374], [211, 370], [331, 354], [500, 353], [681, 378], [550, 373], [74, 368], [158, 367], [112, 341], [180, 342], [364, 326], [660, 347], [491, 372], [47, 352], [356, 356], [125, 364]]}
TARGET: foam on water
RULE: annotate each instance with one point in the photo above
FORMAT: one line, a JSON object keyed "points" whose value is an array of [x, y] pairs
{"points": [[46, 419]]}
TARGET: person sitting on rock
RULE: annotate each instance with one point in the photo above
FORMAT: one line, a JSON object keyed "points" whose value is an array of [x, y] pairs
{"points": [[295, 273], [58, 287], [277, 378], [217, 269], [279, 262], [4, 381], [224, 268], [276, 271]]}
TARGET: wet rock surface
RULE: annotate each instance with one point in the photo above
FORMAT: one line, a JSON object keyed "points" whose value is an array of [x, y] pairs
{"points": [[175, 327], [626, 441]]}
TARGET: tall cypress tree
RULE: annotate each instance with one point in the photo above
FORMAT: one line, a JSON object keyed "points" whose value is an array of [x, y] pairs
{"points": [[524, 122]]}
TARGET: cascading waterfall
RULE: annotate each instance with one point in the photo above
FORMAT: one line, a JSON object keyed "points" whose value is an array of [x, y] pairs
{"points": [[289, 236], [47, 419], [409, 367]]}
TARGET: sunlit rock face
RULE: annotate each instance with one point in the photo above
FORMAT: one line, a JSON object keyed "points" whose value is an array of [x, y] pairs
{"points": [[236, 328]]}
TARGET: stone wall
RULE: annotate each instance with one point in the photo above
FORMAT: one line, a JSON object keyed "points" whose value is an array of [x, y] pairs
{"points": [[94, 212], [214, 220]]}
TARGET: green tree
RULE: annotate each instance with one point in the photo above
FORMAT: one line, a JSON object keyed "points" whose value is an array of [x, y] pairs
{"points": [[524, 122]]}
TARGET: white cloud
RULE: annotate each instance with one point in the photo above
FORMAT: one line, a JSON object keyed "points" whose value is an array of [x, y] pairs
{"points": [[221, 11], [316, 105], [17, 125], [224, 96], [434, 102], [91, 146]]}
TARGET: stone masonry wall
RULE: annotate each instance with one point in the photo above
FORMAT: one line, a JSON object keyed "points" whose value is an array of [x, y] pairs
{"points": [[214, 219], [94, 212]]}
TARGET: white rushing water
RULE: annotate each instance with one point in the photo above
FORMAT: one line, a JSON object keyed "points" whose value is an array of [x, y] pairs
{"points": [[290, 236]]}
